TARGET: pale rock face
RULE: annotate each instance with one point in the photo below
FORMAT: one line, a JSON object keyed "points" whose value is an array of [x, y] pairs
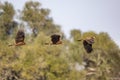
{"points": [[79, 67]]}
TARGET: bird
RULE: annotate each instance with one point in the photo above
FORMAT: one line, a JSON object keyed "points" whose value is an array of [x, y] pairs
{"points": [[87, 43], [55, 39], [19, 39]]}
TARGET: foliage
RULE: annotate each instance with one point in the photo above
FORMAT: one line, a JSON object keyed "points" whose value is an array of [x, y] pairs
{"points": [[7, 24], [38, 18], [37, 61]]}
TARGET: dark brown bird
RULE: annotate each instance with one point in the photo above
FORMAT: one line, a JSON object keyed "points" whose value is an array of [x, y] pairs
{"points": [[19, 39], [87, 43], [56, 39]]}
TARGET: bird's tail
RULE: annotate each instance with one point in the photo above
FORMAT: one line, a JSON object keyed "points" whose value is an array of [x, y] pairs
{"points": [[18, 44], [47, 43], [11, 45], [79, 39], [59, 42]]}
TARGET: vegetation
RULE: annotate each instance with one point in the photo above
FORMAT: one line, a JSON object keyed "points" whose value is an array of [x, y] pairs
{"points": [[37, 61]]}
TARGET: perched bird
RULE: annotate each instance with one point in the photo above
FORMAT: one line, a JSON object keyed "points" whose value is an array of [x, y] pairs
{"points": [[87, 43], [55, 39], [19, 39]]}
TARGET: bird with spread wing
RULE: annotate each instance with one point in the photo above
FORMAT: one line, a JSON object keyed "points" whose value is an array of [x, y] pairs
{"points": [[87, 43]]}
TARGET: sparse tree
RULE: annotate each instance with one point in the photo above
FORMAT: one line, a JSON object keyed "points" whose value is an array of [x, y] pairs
{"points": [[7, 23]]}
